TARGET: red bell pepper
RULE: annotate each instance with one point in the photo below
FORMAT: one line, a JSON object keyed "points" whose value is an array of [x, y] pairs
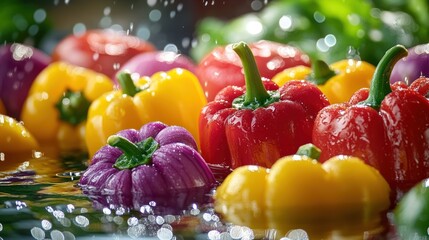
{"points": [[250, 125], [221, 67], [387, 126]]}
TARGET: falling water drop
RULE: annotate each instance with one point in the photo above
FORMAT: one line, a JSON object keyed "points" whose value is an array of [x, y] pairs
{"points": [[353, 53]]}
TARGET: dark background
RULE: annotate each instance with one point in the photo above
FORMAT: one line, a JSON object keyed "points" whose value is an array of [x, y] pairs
{"points": [[176, 24]]}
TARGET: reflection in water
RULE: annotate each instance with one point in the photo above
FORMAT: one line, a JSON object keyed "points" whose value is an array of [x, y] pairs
{"points": [[40, 198]]}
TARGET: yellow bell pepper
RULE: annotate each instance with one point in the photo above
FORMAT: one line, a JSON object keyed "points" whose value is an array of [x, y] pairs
{"points": [[15, 137], [57, 104], [174, 98], [298, 191], [337, 81]]}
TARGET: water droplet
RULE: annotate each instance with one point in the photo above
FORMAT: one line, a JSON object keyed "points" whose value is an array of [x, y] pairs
{"points": [[236, 232], [106, 11], [37, 233], [107, 211], [159, 220], [81, 221], [319, 17], [285, 22], [155, 15], [171, 48], [39, 15], [353, 53], [213, 234], [151, 3], [132, 221], [21, 52], [57, 235], [79, 29], [46, 225], [2, 156], [330, 40], [164, 233], [69, 175], [297, 234], [256, 5]]}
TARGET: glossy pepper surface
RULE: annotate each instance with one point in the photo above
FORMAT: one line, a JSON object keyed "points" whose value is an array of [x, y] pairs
{"points": [[174, 97], [101, 50], [20, 65], [15, 137], [156, 161], [386, 126], [57, 105], [254, 126], [338, 81], [300, 191], [222, 67]]}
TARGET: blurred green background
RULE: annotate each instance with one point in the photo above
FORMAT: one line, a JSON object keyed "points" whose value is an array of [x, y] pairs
{"points": [[328, 30]]}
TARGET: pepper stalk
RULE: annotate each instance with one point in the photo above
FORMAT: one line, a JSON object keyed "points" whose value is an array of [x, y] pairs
{"points": [[256, 95], [380, 83], [134, 154]]}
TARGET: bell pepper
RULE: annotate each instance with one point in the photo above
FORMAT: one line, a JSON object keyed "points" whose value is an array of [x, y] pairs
{"points": [[57, 105], [155, 162], [2, 108], [338, 81], [15, 137], [149, 63], [174, 97], [20, 65], [411, 214], [300, 192], [222, 67], [413, 66], [254, 126], [103, 51], [387, 126]]}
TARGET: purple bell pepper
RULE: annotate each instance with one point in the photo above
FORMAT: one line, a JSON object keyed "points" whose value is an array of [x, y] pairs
{"points": [[157, 162], [413, 66], [19, 67], [146, 64]]}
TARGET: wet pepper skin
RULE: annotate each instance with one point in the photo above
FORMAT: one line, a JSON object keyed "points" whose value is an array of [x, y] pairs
{"points": [[300, 190], [174, 97], [387, 126], [51, 114], [338, 81], [259, 134]]}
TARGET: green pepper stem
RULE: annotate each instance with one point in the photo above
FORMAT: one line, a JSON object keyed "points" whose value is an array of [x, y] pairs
{"points": [[256, 95], [134, 154], [321, 73], [255, 90], [380, 83], [127, 84], [73, 107], [124, 144], [309, 150]]}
